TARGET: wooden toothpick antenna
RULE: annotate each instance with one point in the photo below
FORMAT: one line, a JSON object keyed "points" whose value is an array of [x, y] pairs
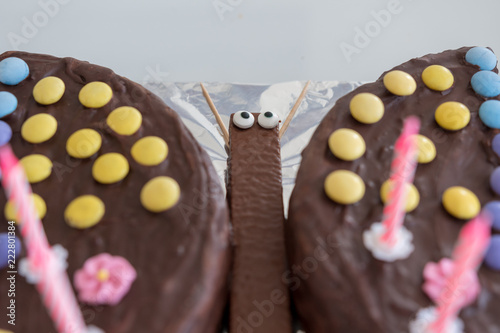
{"points": [[225, 133], [294, 109]]}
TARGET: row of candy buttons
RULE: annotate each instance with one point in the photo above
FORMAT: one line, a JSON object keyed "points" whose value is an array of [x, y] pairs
{"points": [[487, 84]]}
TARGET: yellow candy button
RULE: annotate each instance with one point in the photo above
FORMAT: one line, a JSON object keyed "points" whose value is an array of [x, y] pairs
{"points": [[37, 167], [160, 194], [95, 94], [452, 115], [400, 83], [412, 198], [110, 168], [5, 331], [437, 77], [366, 108], [347, 144], [150, 150], [426, 149], [461, 202], [125, 120], [344, 187], [83, 143], [49, 90], [40, 207], [39, 128], [84, 211]]}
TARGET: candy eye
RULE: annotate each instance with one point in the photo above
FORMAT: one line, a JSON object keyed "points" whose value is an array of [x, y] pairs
{"points": [[243, 119], [268, 119]]}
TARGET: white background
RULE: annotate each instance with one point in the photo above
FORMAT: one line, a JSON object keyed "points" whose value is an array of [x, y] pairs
{"points": [[250, 41]]}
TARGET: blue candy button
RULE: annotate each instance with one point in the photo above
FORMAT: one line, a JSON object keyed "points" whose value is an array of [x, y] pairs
{"points": [[482, 57], [5, 133], [13, 70], [489, 112], [492, 257], [493, 207], [5, 240], [8, 103], [486, 83]]}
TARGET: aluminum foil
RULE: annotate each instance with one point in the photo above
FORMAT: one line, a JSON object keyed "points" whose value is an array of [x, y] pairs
{"points": [[188, 101]]}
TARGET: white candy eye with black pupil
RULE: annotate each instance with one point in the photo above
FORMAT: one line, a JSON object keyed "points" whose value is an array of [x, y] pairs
{"points": [[268, 119], [243, 119]]}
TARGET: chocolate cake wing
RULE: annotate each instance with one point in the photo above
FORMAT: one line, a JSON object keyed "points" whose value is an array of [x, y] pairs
{"points": [[338, 285], [133, 184]]}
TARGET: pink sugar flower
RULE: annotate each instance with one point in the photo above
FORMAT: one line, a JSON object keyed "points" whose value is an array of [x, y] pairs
{"points": [[436, 274], [104, 279]]}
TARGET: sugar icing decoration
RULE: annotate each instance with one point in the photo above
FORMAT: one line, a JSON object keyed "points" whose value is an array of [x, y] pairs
{"points": [[389, 240], [39, 128], [437, 77], [366, 108], [453, 283], [344, 187], [150, 150], [95, 94], [37, 167], [84, 211], [160, 194], [104, 279], [425, 317], [8, 103], [400, 83], [13, 71], [83, 143], [125, 120], [49, 90], [436, 274], [110, 168]]}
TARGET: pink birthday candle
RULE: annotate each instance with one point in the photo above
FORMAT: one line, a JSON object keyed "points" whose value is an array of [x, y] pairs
{"points": [[402, 172], [468, 254], [53, 282]]}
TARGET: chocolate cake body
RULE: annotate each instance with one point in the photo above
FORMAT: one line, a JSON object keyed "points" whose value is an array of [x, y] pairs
{"points": [[259, 301], [181, 255], [338, 285]]}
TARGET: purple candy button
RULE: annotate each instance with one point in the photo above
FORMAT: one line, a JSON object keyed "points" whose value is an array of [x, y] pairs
{"points": [[493, 207], [495, 180], [492, 257], [5, 133]]}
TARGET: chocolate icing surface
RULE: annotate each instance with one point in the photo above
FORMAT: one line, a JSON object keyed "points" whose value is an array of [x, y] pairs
{"points": [[182, 255], [338, 285], [259, 299]]}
